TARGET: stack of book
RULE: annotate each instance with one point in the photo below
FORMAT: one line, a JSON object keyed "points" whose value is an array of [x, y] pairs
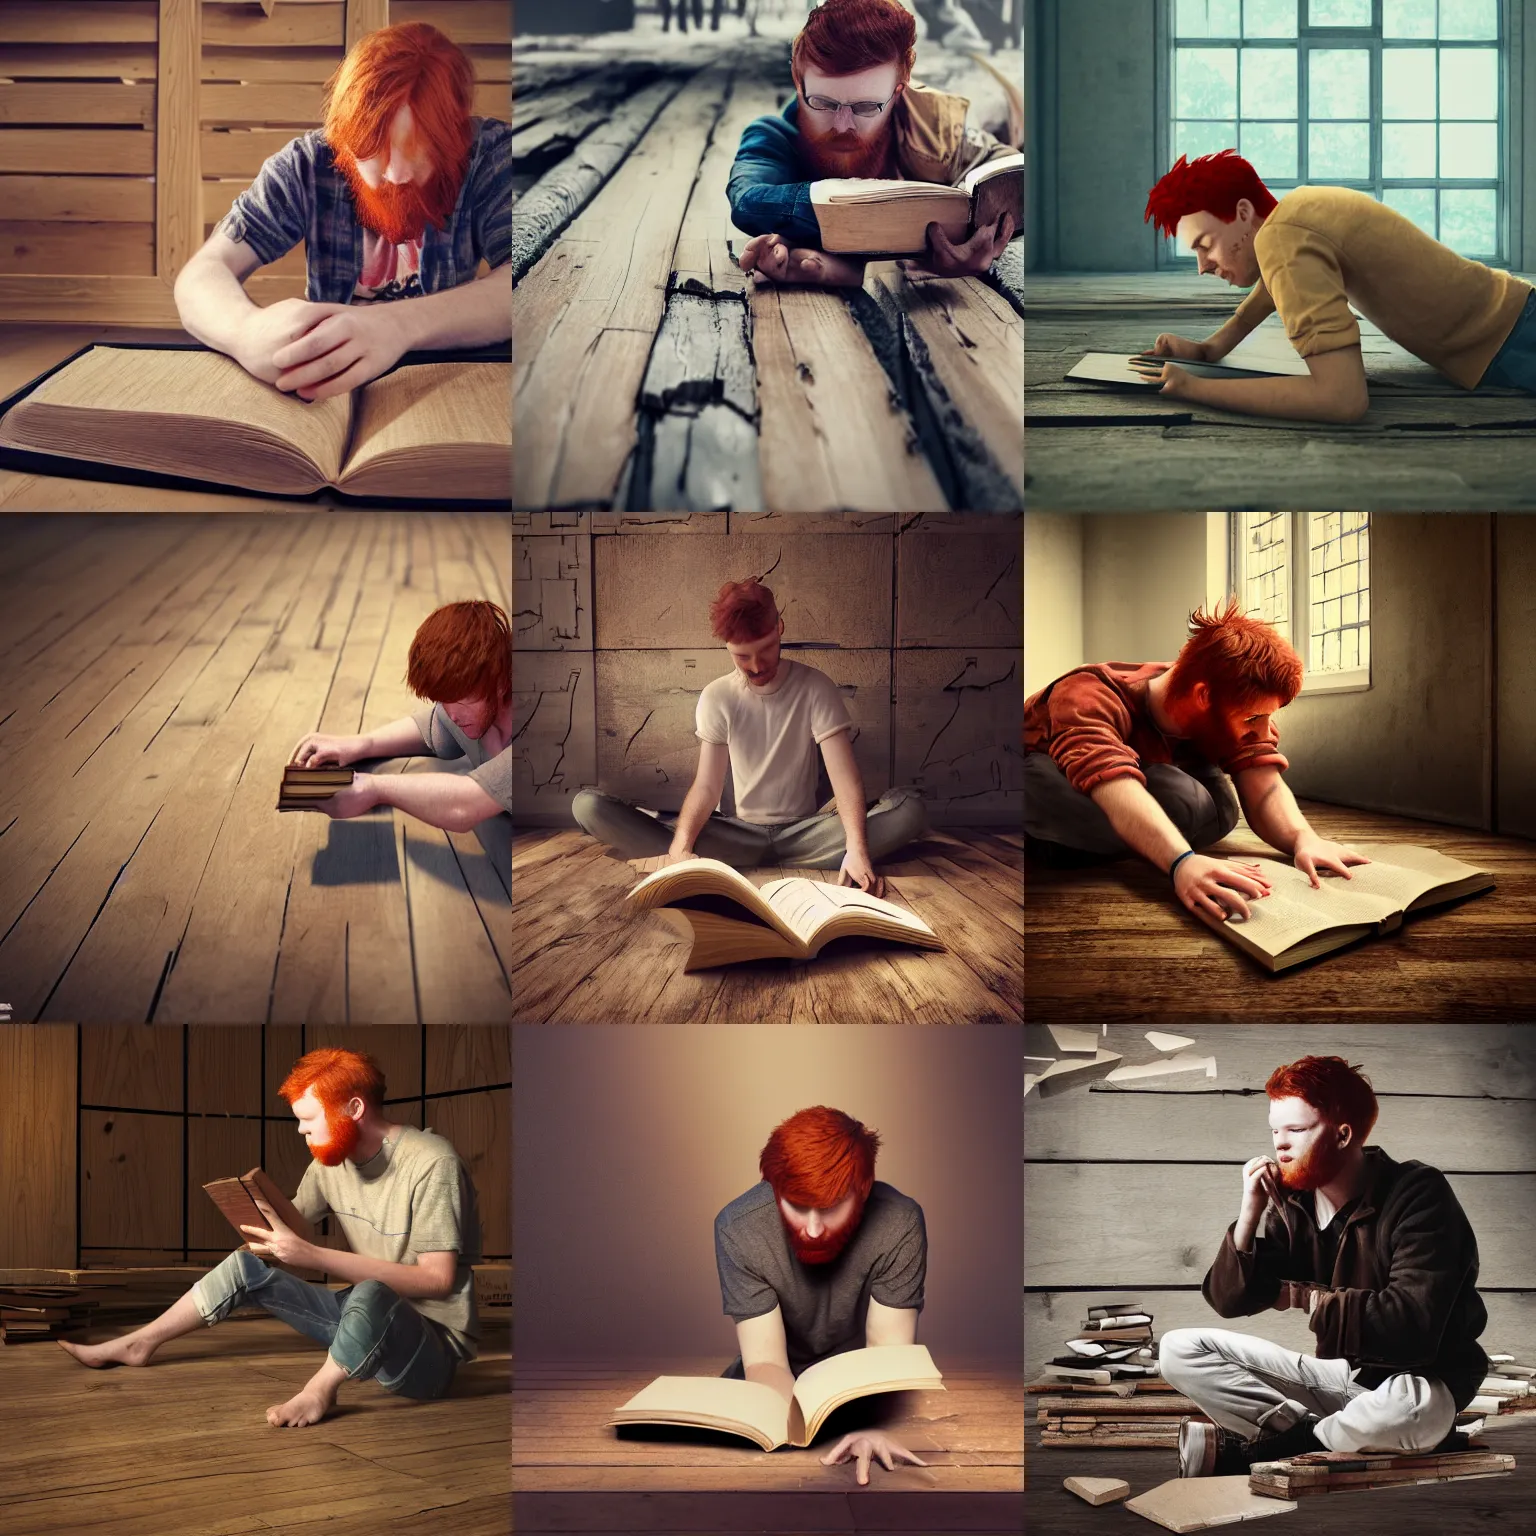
{"points": [[1509, 1387], [38, 1304], [301, 787], [1346, 1472], [493, 1290]]}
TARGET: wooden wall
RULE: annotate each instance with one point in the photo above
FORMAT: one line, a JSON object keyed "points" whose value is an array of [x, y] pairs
{"points": [[1127, 1192], [919, 625], [163, 1109], [128, 127]]}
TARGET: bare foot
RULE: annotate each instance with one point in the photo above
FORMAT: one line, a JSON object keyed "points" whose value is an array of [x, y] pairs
{"points": [[124, 1351], [306, 1407]]}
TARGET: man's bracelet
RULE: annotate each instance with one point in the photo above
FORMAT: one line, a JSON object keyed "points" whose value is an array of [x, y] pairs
{"points": [[1187, 852]]}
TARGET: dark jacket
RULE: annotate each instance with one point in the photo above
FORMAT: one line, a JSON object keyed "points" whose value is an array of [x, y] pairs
{"points": [[1403, 1292]]}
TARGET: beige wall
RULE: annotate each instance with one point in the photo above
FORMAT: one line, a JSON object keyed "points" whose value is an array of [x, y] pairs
{"points": [[1053, 587], [1143, 574]]}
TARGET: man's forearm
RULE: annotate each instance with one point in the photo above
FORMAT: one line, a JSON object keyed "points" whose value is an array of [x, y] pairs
{"points": [[1303, 399], [848, 786], [1140, 820], [451, 801], [474, 314], [1277, 818], [212, 304], [402, 1279], [696, 810]]}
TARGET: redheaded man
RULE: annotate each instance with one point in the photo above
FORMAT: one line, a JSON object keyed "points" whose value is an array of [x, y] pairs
{"points": [[398, 197], [407, 1208], [818, 1258], [1133, 756], [856, 112], [1380, 1256], [1309, 256]]}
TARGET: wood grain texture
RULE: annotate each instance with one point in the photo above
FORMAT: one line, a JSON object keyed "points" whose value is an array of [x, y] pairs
{"points": [[467, 1056], [70, 151], [132, 1066], [38, 1183], [217, 1148], [365, 16], [130, 1179], [32, 247], [35, 102], [480, 1127], [178, 214], [76, 199], [224, 1069], [70, 21]]}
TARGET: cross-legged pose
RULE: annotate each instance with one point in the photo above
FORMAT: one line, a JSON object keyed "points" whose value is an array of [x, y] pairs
{"points": [[398, 197], [820, 1258], [851, 117], [407, 1206], [1381, 1257], [764, 720], [1311, 254], [1132, 756]]}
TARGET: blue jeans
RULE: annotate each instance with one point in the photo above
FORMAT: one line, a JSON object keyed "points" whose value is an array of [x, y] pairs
{"points": [[370, 1331], [1514, 364]]}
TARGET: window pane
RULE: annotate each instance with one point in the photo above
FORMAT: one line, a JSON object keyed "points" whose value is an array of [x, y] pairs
{"points": [[1408, 83], [1315, 664], [1347, 547], [1408, 149], [1339, 152], [1351, 608], [1271, 149], [1331, 651], [1365, 648], [1339, 13], [1365, 606], [1207, 82], [1469, 18], [1415, 205], [1207, 18], [1269, 83], [1351, 657], [1468, 222], [1408, 18], [1469, 82], [1340, 83], [1330, 583], [1269, 18], [1469, 149], [1194, 139]]}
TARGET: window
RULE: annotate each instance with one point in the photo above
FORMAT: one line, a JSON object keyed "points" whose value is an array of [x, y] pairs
{"points": [[1403, 99], [1309, 575]]}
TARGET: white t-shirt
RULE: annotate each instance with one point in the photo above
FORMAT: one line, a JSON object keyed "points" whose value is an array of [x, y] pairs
{"points": [[773, 738]]}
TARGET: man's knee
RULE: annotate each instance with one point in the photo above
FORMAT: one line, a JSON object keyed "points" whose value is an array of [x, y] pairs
{"points": [[1179, 1349], [1424, 1408]]}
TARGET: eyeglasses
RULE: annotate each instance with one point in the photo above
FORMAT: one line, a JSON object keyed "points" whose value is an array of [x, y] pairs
{"points": [[858, 108]]}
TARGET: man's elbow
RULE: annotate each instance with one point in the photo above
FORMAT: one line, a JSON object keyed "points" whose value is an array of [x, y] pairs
{"points": [[1354, 406]]}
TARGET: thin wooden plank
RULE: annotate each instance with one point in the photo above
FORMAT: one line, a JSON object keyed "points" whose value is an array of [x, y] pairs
{"points": [[290, 64], [97, 199], [298, 102], [363, 17], [289, 25], [71, 21], [46, 249], [109, 61], [37, 1211], [78, 151], [34, 102], [465, 21], [239, 152]]}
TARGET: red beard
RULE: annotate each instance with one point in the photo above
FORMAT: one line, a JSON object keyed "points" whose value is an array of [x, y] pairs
{"points": [[344, 1131], [837, 152], [825, 1248], [1313, 1170], [398, 213]]}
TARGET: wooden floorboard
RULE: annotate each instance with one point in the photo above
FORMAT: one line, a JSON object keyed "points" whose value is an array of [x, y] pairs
{"points": [[183, 1444], [1111, 942], [578, 960]]}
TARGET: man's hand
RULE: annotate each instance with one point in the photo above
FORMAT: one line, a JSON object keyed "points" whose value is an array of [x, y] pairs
{"points": [[1169, 345], [358, 800], [970, 258], [864, 1444], [1300, 1294], [675, 856], [344, 351], [279, 1244], [771, 257], [1261, 1185], [857, 870], [1313, 853], [318, 750], [1178, 383], [1211, 885], [266, 332]]}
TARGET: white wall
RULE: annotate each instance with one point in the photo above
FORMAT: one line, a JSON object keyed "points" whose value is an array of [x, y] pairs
{"points": [[1053, 597]]}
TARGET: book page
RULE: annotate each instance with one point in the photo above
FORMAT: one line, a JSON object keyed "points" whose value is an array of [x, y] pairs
{"points": [[1293, 911], [990, 168], [858, 1372], [430, 411], [807, 904], [719, 1398], [868, 189], [1411, 869]]}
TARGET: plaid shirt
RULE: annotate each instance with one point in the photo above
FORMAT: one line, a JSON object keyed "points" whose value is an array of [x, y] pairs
{"points": [[300, 195]]}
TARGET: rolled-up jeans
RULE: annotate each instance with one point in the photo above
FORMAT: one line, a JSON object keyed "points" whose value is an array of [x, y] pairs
{"points": [[369, 1330], [1253, 1387], [1514, 364]]}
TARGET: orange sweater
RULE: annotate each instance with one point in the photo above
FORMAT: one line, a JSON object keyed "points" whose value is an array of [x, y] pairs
{"points": [[1095, 723]]}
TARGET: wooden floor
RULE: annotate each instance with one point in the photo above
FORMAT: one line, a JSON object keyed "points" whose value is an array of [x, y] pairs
{"points": [[182, 1445], [155, 674], [573, 1472], [1111, 942], [1425, 444], [1447, 1509], [576, 959]]}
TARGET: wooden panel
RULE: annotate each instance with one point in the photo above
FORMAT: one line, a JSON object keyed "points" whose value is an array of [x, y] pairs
{"points": [[68, 21], [311, 64], [480, 1127], [961, 585], [178, 216], [71, 102], [218, 198], [465, 21], [217, 1149], [111, 61], [396, 1048], [43, 248], [244, 26], [62, 151], [130, 1178], [365, 16], [553, 576], [285, 1044], [284, 1154], [241, 152], [493, 98], [467, 1056], [1082, 1230], [295, 102], [224, 1069], [107, 298], [37, 1146], [131, 1066], [96, 199]]}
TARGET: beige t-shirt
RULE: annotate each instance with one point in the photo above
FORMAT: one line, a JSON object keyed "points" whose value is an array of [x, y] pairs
{"points": [[412, 1196], [773, 738], [1325, 248]]}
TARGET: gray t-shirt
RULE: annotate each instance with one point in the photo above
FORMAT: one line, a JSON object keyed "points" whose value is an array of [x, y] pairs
{"points": [[824, 1305], [412, 1196], [492, 774]]}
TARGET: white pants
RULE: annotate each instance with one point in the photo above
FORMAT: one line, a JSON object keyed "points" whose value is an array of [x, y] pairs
{"points": [[1251, 1386]]}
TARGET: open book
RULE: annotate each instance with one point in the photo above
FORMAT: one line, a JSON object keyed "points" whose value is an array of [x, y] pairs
{"points": [[1112, 368], [428, 431], [1295, 923], [757, 1412], [882, 217], [731, 920]]}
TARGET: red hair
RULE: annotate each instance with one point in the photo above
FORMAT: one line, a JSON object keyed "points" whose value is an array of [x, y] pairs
{"points": [[335, 1075], [1336, 1090], [743, 611], [410, 64], [842, 37], [1209, 184], [818, 1155], [1240, 659], [461, 651]]}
